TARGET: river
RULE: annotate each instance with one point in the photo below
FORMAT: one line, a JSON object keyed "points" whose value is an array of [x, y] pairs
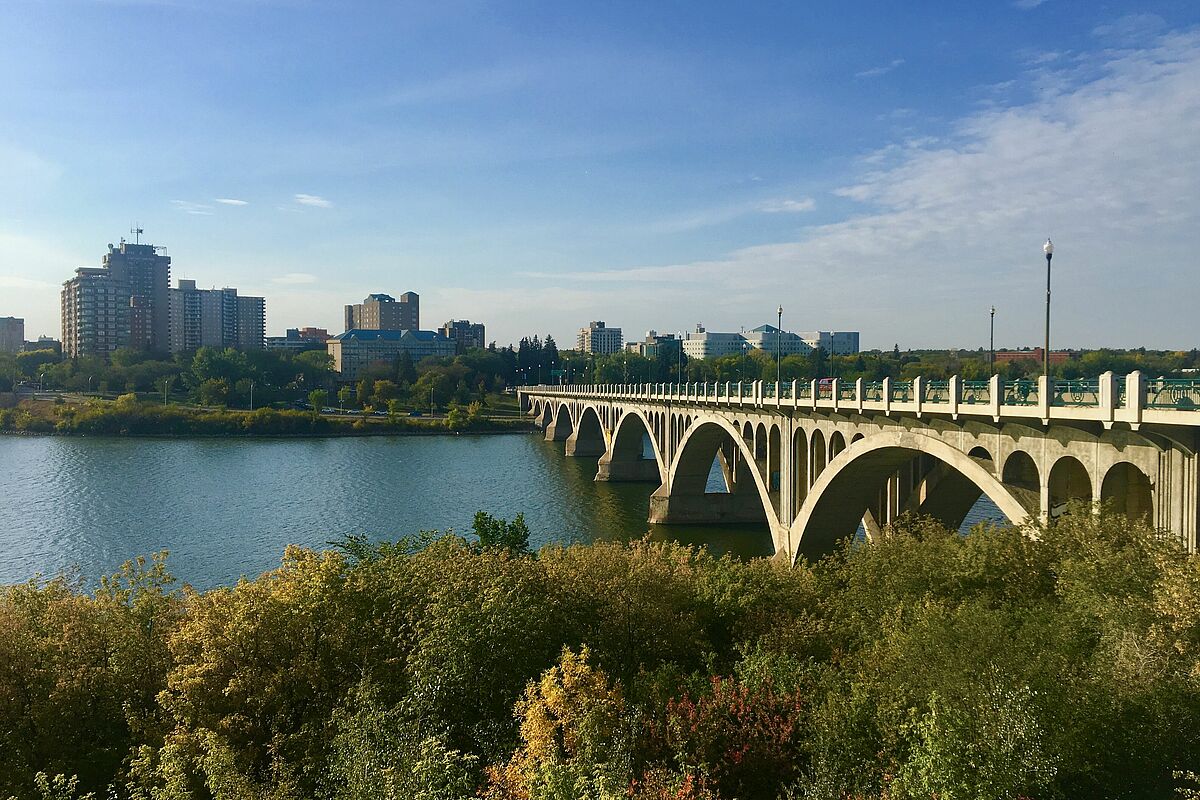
{"points": [[227, 507]]}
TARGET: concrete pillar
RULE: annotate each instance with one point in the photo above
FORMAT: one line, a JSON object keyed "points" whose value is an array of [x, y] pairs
{"points": [[955, 395], [1045, 391], [995, 396], [887, 396], [918, 390], [835, 390], [701, 509]]}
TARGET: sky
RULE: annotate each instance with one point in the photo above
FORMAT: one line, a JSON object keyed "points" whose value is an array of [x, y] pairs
{"points": [[891, 168]]}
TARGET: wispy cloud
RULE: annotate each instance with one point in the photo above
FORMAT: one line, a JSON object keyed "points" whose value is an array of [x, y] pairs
{"points": [[229, 201], [788, 206], [17, 282], [1108, 166], [295, 279], [196, 209], [1026, 5], [312, 200], [884, 69]]}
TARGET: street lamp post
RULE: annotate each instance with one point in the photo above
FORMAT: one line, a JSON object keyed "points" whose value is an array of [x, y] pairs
{"points": [[992, 342], [1048, 249], [778, 336], [679, 369]]}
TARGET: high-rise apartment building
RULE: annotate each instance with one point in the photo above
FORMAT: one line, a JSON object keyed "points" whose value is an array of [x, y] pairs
{"points": [[12, 335], [123, 303], [382, 312], [145, 277], [464, 334], [214, 318], [598, 338], [95, 313]]}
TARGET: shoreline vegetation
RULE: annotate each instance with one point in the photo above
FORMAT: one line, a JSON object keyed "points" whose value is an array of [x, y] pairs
{"points": [[129, 416], [1057, 660]]}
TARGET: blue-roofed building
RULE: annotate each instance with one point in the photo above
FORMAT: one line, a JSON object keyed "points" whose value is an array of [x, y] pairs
{"points": [[355, 349]]}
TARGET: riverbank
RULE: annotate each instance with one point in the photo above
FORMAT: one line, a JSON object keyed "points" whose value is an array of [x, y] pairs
{"points": [[129, 417]]}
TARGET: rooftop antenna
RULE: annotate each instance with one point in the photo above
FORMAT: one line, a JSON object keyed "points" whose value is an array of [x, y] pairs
{"points": [[137, 233]]}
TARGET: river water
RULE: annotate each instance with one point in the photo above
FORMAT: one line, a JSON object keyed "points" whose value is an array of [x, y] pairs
{"points": [[227, 507]]}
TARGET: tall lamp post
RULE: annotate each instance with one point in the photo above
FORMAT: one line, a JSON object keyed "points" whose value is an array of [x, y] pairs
{"points": [[778, 335], [1048, 249], [992, 342], [679, 369]]}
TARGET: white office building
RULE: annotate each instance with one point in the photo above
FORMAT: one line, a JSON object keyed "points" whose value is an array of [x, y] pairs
{"points": [[599, 338]]}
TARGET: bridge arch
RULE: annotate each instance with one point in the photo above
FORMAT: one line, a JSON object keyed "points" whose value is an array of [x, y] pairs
{"points": [[1069, 480], [844, 491], [587, 434], [683, 498], [1128, 490], [624, 460]]}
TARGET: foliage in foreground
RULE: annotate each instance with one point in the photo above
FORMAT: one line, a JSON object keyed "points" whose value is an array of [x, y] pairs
{"points": [[998, 665]]}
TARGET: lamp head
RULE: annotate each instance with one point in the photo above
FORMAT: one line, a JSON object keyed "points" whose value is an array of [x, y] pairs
{"points": [[1048, 248]]}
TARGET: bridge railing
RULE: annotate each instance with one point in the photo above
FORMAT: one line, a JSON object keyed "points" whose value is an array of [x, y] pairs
{"points": [[1132, 398]]}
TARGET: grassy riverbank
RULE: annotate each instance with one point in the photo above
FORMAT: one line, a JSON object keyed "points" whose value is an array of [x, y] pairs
{"points": [[127, 416], [997, 665]]}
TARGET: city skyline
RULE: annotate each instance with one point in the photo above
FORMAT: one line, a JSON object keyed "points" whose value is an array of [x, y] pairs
{"points": [[534, 167]]}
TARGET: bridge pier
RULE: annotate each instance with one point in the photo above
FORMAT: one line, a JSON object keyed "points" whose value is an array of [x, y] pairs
{"points": [[585, 446], [557, 433], [708, 508], [611, 468]]}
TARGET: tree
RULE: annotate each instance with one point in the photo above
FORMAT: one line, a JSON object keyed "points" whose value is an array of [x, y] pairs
{"points": [[384, 391], [317, 398], [497, 532]]}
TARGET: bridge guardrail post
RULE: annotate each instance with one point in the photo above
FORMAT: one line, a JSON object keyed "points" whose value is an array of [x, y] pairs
{"points": [[795, 393], [918, 390], [995, 396], [858, 394], [758, 393], [1135, 397], [1045, 389], [812, 393], [887, 395], [955, 395], [835, 391], [1108, 398]]}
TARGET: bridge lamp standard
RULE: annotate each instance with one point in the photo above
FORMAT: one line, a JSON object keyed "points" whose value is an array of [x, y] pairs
{"points": [[1048, 249], [778, 336], [992, 342]]}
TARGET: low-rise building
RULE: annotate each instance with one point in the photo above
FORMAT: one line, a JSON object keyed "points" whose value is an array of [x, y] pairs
{"points": [[1034, 355], [598, 338], [702, 343], [655, 344], [44, 343], [771, 339], [355, 349], [299, 339], [382, 312], [837, 343], [464, 333], [12, 334]]}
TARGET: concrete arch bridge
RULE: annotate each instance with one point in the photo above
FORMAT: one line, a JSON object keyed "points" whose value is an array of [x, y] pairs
{"points": [[813, 460]]}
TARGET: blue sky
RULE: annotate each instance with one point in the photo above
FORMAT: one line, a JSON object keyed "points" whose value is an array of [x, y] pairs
{"points": [[885, 167]]}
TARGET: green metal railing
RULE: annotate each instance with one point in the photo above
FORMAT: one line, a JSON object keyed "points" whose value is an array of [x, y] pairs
{"points": [[1075, 393], [847, 391], [976, 392], [935, 392], [1180, 394], [902, 392], [873, 391], [804, 391], [1019, 393]]}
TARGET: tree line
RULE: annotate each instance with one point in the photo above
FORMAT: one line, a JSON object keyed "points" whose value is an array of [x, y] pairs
{"points": [[1052, 661]]}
